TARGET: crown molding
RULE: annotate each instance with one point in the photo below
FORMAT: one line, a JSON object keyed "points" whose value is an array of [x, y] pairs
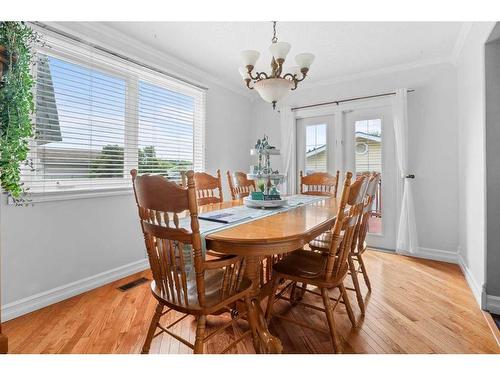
{"points": [[377, 72], [101, 34]]}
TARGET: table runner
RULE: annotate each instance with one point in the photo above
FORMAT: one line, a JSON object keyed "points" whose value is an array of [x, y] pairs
{"points": [[207, 227]]}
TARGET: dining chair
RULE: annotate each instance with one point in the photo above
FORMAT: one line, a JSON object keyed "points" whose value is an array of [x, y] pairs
{"points": [[360, 246], [325, 270], [208, 188], [319, 183], [367, 184], [240, 185], [183, 279]]}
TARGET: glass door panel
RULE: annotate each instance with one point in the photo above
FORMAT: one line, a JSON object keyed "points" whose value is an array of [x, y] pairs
{"points": [[368, 158], [314, 145], [369, 147]]}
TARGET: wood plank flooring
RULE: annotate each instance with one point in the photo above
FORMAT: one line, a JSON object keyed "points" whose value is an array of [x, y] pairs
{"points": [[417, 306]]}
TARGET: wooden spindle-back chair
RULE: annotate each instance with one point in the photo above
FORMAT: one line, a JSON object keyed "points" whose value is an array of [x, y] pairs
{"points": [[325, 270], [184, 280], [208, 188], [367, 186], [240, 185], [356, 190], [359, 246], [319, 183]]}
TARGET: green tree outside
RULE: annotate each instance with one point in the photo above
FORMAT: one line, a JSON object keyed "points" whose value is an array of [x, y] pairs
{"points": [[110, 163]]}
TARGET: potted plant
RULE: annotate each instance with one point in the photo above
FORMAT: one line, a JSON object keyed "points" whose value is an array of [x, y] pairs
{"points": [[16, 109], [16, 103]]}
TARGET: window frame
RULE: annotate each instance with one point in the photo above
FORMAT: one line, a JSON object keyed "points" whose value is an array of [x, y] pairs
{"points": [[132, 74]]}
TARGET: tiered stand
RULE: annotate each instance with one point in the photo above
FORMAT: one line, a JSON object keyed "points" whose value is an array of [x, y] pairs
{"points": [[265, 173]]}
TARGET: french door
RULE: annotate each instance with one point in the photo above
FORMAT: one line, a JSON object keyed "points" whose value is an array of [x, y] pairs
{"points": [[357, 140], [370, 146]]}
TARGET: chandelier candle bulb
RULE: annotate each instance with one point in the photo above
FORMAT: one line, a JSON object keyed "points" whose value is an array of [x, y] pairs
{"points": [[279, 50], [250, 57], [274, 86], [304, 60]]}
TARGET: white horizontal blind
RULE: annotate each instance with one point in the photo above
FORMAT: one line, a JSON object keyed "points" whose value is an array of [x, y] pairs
{"points": [[97, 118]]}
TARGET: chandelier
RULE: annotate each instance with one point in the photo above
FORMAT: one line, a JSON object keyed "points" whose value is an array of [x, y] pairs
{"points": [[274, 86]]}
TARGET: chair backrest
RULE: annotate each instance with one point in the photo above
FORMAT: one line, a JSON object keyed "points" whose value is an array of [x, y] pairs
{"points": [[160, 203], [343, 230], [369, 198], [319, 183], [356, 199], [357, 190], [208, 188], [240, 185]]}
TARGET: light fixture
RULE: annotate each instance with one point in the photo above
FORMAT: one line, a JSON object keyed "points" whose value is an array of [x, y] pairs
{"points": [[275, 86]]}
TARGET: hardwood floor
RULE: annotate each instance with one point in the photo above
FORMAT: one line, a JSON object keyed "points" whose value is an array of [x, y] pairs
{"points": [[417, 306]]}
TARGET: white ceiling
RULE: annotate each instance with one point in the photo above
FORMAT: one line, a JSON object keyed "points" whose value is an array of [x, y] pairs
{"points": [[341, 48]]}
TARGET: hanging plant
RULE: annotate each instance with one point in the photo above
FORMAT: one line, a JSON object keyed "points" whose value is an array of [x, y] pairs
{"points": [[16, 103]]}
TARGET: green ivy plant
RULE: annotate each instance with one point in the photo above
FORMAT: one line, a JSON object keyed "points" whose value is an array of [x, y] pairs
{"points": [[16, 104]]}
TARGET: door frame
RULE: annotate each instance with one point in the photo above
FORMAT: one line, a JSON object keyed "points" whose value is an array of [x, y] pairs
{"points": [[339, 112]]}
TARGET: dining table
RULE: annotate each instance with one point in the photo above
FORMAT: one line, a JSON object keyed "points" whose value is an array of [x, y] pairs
{"points": [[264, 237]]}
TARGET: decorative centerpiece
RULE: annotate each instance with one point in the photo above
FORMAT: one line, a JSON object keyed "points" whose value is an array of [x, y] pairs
{"points": [[268, 194]]}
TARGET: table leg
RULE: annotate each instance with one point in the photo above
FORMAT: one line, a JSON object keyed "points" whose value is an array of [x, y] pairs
{"points": [[264, 341]]}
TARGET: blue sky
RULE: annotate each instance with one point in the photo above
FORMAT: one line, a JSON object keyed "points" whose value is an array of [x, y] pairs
{"points": [[91, 106]]}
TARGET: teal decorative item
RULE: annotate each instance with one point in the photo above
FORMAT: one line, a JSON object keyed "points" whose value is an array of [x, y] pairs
{"points": [[274, 191], [257, 195]]}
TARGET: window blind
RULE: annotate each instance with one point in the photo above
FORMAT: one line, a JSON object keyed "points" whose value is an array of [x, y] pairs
{"points": [[97, 118]]}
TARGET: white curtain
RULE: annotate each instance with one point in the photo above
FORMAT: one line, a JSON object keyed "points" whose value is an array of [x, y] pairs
{"points": [[407, 230], [288, 145]]}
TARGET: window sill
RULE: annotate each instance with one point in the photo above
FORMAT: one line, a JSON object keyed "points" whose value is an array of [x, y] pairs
{"points": [[42, 197]]}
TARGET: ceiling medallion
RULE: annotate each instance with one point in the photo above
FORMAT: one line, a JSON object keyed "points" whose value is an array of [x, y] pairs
{"points": [[275, 86]]}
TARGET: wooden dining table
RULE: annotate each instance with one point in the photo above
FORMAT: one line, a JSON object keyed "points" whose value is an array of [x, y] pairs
{"points": [[271, 235]]}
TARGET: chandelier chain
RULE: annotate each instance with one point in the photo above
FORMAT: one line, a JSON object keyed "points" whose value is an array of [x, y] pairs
{"points": [[275, 39]]}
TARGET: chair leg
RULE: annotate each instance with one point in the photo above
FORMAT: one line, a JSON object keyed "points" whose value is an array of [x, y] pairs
{"points": [[330, 318], [152, 328], [200, 334], [354, 276], [347, 304], [271, 298], [365, 275], [302, 291], [292, 293]]}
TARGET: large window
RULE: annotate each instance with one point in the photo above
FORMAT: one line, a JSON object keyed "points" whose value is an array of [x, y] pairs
{"points": [[97, 118]]}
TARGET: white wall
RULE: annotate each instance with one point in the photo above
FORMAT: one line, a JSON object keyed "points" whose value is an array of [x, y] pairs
{"points": [[433, 142], [471, 135], [57, 249], [228, 139]]}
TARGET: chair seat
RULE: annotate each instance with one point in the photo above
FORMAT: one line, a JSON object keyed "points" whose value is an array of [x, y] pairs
{"points": [[302, 263], [213, 291], [322, 243]]}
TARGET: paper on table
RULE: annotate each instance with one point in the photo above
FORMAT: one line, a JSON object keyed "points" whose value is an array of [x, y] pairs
{"points": [[224, 217]]}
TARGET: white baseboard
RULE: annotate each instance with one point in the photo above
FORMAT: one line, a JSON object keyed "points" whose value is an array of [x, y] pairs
{"points": [[435, 254], [26, 305], [493, 304], [473, 285]]}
